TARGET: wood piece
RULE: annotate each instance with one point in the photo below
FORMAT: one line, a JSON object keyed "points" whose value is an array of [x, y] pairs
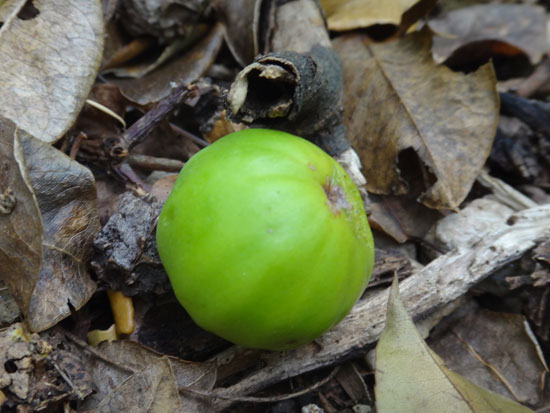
{"points": [[443, 280]]}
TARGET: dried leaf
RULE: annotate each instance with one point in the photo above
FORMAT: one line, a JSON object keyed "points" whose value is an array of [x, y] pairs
{"points": [[164, 19], [151, 390], [405, 365], [134, 357], [354, 14], [241, 19], [398, 99], [50, 52], [56, 241], [21, 225], [490, 30], [495, 351], [183, 69]]}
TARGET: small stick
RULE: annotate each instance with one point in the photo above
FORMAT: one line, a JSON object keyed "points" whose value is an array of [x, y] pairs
{"points": [[251, 399], [189, 135], [154, 164], [119, 148]]}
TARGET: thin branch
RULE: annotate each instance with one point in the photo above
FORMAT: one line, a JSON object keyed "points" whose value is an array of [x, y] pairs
{"points": [[154, 164], [251, 399]]}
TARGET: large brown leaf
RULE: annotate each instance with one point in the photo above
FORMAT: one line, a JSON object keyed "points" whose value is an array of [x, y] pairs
{"points": [[47, 241], [397, 98]]}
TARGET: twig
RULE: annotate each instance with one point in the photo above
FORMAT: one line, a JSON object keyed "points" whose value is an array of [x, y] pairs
{"points": [[202, 393], [154, 164], [120, 147], [189, 135], [251, 399]]}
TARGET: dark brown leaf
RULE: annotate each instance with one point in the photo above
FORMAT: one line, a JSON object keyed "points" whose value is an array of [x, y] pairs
{"points": [[66, 196], [183, 69], [241, 21], [20, 226]]}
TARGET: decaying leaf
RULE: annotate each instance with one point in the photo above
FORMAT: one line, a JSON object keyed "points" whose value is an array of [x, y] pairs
{"points": [[45, 259], [183, 69], [480, 32], [134, 358], [411, 377], [164, 19], [354, 14], [241, 19], [50, 53], [151, 390], [494, 350], [399, 99], [20, 225], [35, 375]]}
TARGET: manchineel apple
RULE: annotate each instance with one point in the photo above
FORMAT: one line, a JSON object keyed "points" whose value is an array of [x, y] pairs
{"points": [[265, 240]]}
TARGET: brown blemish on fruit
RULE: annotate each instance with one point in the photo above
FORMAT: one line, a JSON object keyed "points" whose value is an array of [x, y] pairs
{"points": [[311, 166], [336, 197]]}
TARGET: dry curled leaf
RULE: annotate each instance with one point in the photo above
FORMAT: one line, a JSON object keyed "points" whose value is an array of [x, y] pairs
{"points": [[50, 53], [50, 232], [399, 99], [405, 365]]}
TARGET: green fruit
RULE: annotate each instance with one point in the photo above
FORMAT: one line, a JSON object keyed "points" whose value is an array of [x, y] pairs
{"points": [[265, 240]]}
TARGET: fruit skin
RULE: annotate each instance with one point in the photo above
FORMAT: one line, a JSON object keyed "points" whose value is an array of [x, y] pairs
{"points": [[265, 240]]}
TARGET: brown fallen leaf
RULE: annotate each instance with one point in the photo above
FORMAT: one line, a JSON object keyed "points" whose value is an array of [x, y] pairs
{"points": [[488, 31], [355, 14], [241, 19], [132, 360], [397, 98], [182, 69], [494, 350], [66, 195], [20, 224], [49, 59], [151, 390], [45, 260]]}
